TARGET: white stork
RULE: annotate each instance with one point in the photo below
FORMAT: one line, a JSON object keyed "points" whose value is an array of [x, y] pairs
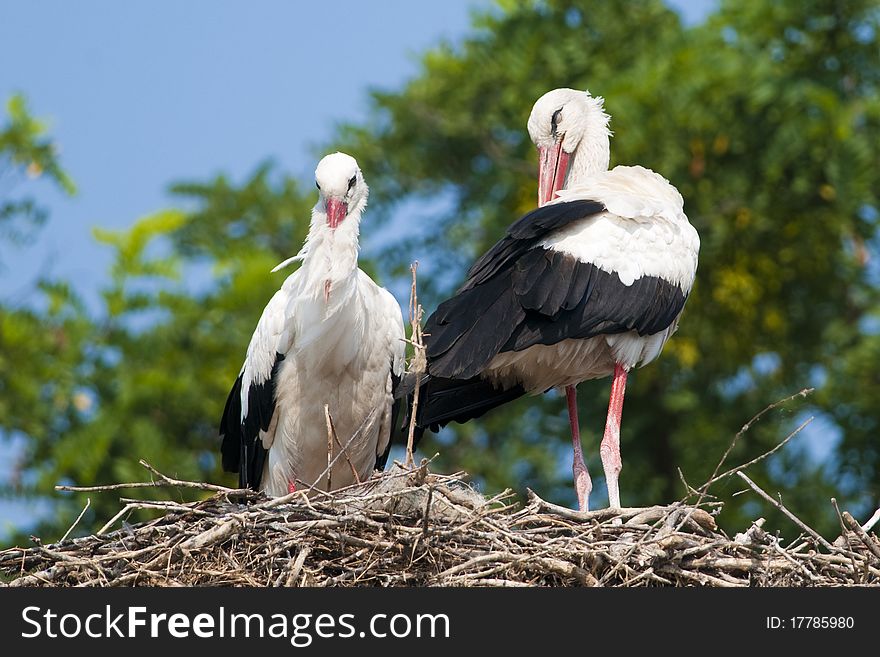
{"points": [[330, 336], [590, 284]]}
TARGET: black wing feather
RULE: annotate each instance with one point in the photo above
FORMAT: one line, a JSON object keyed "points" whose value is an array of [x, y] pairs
{"points": [[467, 340], [524, 233], [606, 306], [443, 400], [520, 294], [241, 447]]}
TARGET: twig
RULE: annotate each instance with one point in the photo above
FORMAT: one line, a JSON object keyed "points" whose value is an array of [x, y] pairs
{"points": [[163, 481], [329, 469], [197, 485], [112, 521], [427, 512], [184, 484], [690, 489], [298, 565], [861, 533], [599, 515], [78, 518], [760, 458], [745, 428], [165, 505], [799, 566], [787, 513], [843, 538], [419, 363], [698, 577], [212, 536], [331, 430]]}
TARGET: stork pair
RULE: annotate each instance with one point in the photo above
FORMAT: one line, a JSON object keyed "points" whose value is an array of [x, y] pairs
{"points": [[590, 284]]}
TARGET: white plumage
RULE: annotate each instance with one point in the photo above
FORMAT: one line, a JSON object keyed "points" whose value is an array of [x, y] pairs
{"points": [[644, 231], [330, 336]]}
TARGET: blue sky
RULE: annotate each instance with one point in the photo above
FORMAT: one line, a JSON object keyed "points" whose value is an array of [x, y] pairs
{"points": [[140, 94]]}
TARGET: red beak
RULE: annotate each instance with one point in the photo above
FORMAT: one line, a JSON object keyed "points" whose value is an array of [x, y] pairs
{"points": [[336, 211], [552, 167]]}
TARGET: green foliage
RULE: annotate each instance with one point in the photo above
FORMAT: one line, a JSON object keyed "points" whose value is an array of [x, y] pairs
{"points": [[25, 150], [40, 350]]}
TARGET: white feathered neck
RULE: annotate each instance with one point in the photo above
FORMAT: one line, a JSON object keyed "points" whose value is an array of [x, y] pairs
{"points": [[329, 254]]}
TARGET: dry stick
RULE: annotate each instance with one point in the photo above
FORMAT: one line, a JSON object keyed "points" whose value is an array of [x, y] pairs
{"points": [[78, 518], [690, 489], [716, 477], [787, 513], [799, 566], [763, 456], [211, 536], [188, 484], [331, 431], [746, 427], [153, 484], [861, 533], [164, 506], [698, 577], [418, 365], [494, 582], [329, 446], [427, 511], [298, 565], [163, 481], [112, 521], [852, 555], [600, 515]]}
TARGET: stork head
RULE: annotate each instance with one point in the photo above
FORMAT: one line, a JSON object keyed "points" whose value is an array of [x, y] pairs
{"points": [[341, 187], [563, 123]]}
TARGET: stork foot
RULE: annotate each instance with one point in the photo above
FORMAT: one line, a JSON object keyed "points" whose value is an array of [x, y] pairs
{"points": [[291, 487]]}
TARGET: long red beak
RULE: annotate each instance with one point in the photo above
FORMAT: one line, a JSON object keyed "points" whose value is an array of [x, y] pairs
{"points": [[552, 167], [336, 211]]}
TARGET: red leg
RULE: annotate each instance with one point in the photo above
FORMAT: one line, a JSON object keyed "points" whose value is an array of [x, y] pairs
{"points": [[582, 483], [609, 450], [291, 487]]}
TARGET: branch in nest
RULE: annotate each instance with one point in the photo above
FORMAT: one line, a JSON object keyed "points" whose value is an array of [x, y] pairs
{"points": [[861, 533], [748, 425], [419, 364], [788, 514], [163, 481]]}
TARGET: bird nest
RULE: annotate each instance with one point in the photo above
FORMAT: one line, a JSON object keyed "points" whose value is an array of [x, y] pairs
{"points": [[409, 527]]}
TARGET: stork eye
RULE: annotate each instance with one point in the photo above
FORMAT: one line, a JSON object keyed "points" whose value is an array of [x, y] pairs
{"points": [[554, 121], [352, 182]]}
